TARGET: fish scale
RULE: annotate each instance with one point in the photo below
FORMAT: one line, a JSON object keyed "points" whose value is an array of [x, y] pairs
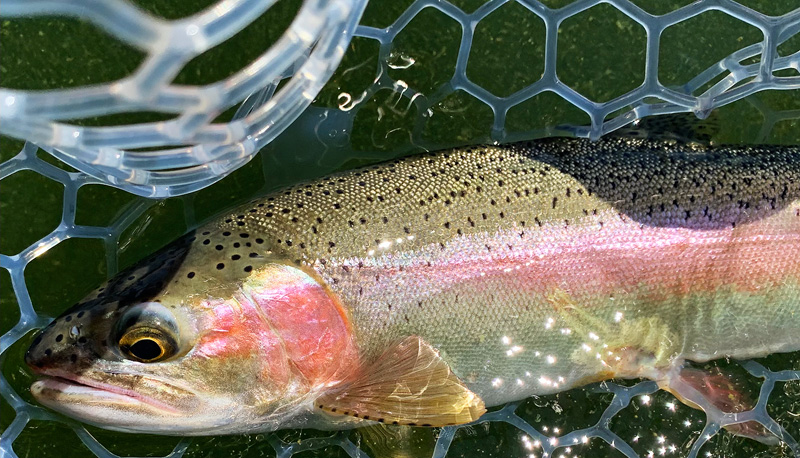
{"points": [[439, 196]]}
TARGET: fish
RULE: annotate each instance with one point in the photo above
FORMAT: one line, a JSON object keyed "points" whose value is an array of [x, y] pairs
{"points": [[422, 290]]}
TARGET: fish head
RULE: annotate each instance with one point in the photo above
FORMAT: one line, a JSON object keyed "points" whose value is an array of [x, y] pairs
{"points": [[173, 346]]}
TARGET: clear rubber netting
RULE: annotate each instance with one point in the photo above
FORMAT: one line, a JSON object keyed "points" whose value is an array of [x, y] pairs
{"points": [[418, 75]]}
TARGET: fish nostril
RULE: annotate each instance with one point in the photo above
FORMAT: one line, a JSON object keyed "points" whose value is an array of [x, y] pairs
{"points": [[30, 360], [59, 337]]}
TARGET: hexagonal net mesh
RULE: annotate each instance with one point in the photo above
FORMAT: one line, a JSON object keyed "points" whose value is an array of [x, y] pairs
{"points": [[404, 106]]}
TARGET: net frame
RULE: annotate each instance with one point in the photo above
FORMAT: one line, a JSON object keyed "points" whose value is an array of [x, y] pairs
{"points": [[306, 55]]}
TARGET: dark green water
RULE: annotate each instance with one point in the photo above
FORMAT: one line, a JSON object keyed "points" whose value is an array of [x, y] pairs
{"points": [[601, 54]]}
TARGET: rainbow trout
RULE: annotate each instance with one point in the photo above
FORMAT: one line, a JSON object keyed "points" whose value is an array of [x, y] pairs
{"points": [[422, 290]]}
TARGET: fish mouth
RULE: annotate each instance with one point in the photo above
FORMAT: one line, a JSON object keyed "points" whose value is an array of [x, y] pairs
{"points": [[58, 389]]}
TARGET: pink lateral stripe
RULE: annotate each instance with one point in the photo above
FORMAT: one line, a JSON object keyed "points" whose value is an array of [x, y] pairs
{"points": [[619, 255]]}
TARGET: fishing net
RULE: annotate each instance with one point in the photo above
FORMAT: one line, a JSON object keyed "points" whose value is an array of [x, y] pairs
{"points": [[416, 75]]}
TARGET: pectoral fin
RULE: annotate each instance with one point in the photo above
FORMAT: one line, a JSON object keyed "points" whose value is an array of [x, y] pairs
{"points": [[409, 384]]}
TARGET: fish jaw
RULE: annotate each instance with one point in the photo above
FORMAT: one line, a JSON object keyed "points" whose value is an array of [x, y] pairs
{"points": [[104, 404]]}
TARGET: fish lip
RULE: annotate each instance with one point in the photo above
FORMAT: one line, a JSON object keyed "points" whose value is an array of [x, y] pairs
{"points": [[57, 380]]}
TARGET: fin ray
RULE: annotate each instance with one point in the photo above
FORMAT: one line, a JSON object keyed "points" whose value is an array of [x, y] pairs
{"points": [[409, 384]]}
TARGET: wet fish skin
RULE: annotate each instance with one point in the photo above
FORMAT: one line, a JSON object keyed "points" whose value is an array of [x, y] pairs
{"points": [[522, 265]]}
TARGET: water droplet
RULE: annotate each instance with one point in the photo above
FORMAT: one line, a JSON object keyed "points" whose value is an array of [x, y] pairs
{"points": [[399, 60]]}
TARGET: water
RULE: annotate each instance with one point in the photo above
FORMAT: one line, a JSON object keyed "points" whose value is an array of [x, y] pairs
{"points": [[320, 142]]}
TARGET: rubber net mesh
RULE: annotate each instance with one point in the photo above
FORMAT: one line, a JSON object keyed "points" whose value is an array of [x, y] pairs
{"points": [[417, 75]]}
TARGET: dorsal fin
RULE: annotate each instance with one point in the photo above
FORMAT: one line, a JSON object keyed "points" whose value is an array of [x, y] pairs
{"points": [[409, 384]]}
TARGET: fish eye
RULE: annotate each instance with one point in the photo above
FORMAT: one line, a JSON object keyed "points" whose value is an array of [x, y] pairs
{"points": [[147, 345], [147, 333]]}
